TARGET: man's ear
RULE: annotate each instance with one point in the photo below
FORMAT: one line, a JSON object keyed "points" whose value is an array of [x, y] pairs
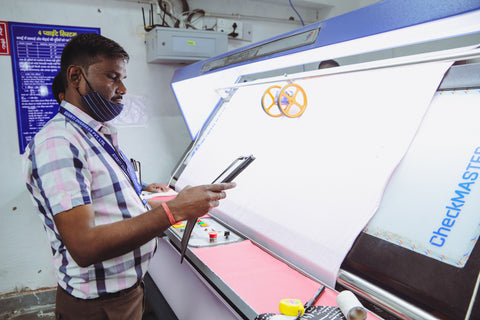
{"points": [[74, 75]]}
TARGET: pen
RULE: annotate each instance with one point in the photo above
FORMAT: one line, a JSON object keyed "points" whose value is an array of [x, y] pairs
{"points": [[312, 301]]}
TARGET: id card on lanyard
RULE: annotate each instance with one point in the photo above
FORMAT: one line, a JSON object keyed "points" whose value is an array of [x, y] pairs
{"points": [[118, 157]]}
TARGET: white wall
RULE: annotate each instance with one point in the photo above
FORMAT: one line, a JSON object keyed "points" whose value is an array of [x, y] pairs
{"points": [[25, 253]]}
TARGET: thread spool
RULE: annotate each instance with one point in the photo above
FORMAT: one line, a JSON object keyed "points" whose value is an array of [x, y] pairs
{"points": [[351, 308]]}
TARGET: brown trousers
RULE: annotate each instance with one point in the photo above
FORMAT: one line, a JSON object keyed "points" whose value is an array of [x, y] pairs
{"points": [[127, 304]]}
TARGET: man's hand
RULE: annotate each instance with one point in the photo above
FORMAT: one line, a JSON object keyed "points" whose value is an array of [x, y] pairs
{"points": [[156, 187], [194, 202]]}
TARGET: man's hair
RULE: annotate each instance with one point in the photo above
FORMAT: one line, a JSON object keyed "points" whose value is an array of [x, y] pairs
{"points": [[58, 87], [328, 64], [86, 49]]}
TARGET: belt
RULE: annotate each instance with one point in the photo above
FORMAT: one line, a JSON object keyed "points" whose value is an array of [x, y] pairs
{"points": [[108, 295]]}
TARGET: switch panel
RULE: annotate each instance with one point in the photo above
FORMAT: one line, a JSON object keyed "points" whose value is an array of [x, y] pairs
{"points": [[235, 29], [207, 232]]}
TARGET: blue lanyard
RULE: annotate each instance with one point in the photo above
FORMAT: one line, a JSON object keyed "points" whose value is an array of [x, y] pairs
{"points": [[124, 164]]}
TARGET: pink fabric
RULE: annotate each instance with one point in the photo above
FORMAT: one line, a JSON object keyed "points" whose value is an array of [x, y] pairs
{"points": [[260, 279]]}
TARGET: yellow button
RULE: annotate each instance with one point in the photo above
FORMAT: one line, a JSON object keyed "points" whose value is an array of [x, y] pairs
{"points": [[178, 225]]}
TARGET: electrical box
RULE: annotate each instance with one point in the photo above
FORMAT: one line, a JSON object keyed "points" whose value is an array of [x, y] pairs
{"points": [[184, 45]]}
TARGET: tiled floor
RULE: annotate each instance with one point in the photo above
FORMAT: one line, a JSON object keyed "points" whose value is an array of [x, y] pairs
{"points": [[47, 312]]}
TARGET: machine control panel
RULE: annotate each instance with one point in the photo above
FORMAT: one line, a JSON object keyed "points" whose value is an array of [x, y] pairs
{"points": [[207, 232]]}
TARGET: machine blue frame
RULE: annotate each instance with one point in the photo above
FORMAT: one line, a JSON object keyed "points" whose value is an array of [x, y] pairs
{"points": [[388, 15]]}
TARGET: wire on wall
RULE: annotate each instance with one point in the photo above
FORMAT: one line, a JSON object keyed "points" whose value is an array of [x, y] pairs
{"points": [[177, 14], [168, 12], [299, 16], [171, 17]]}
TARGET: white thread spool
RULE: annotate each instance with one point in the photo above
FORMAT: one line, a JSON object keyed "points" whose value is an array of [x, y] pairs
{"points": [[351, 308]]}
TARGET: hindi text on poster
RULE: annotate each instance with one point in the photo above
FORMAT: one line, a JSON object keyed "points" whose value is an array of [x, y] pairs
{"points": [[36, 51]]}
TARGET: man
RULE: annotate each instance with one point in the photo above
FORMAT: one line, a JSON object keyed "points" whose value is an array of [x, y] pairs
{"points": [[101, 232]]}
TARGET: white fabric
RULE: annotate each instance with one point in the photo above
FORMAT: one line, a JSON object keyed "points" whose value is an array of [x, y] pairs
{"points": [[317, 179]]}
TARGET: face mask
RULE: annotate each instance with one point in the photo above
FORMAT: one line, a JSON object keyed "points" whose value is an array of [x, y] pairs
{"points": [[100, 108]]}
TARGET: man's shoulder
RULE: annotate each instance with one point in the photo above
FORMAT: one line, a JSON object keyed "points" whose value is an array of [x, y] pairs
{"points": [[57, 129]]}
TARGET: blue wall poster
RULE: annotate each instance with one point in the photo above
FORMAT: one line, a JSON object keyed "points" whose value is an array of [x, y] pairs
{"points": [[36, 51]]}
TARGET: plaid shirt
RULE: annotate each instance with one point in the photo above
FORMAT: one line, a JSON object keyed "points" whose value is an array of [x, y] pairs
{"points": [[65, 167]]}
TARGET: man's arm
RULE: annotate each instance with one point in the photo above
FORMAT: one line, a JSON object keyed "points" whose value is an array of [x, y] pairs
{"points": [[88, 243]]}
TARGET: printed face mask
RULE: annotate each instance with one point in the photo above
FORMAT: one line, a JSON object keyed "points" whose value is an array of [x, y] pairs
{"points": [[100, 108]]}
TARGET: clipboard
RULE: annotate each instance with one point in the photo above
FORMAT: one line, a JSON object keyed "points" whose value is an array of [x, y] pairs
{"points": [[230, 173]]}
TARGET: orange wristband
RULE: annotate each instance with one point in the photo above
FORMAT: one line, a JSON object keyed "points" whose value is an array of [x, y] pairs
{"points": [[168, 213]]}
